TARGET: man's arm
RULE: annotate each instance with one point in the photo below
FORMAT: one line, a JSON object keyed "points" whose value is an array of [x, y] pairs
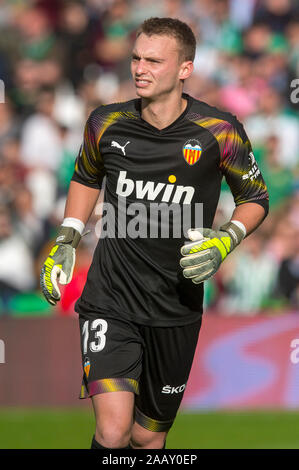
{"points": [[81, 201], [60, 263], [208, 249], [82, 196], [250, 215]]}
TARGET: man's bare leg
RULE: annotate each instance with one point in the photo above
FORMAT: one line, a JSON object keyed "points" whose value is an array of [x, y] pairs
{"points": [[114, 418], [144, 439]]}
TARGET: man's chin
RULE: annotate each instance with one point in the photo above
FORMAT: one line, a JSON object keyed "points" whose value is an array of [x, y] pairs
{"points": [[143, 93]]}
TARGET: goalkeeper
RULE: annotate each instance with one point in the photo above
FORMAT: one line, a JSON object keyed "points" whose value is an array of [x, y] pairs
{"points": [[141, 308]]}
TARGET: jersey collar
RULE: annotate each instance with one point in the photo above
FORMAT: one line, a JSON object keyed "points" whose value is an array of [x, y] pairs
{"points": [[174, 123]]}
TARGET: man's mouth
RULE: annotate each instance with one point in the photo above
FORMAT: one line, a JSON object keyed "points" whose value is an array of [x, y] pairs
{"points": [[141, 82]]}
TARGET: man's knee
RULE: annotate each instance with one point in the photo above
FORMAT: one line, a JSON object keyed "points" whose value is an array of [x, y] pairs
{"points": [[144, 439], [114, 418], [113, 436]]}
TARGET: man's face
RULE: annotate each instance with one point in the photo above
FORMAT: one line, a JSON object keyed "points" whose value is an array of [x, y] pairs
{"points": [[156, 66]]}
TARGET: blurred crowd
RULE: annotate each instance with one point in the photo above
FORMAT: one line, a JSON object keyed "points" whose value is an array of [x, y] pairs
{"points": [[60, 59]]}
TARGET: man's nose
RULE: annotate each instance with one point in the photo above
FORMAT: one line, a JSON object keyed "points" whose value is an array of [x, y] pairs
{"points": [[140, 69]]}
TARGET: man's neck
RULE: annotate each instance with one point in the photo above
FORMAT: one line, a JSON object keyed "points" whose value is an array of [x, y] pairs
{"points": [[162, 113]]}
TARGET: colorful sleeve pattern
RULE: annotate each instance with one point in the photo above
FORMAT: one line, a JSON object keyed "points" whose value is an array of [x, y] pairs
{"points": [[237, 162], [89, 166]]}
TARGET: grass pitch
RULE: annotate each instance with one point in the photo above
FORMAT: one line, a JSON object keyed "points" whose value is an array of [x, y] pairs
{"points": [[73, 429]]}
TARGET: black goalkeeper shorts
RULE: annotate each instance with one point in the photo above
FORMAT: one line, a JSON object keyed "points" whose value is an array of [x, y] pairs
{"points": [[152, 362]]}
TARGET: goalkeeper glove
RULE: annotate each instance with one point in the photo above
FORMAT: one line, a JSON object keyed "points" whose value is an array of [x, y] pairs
{"points": [[203, 257], [60, 263]]}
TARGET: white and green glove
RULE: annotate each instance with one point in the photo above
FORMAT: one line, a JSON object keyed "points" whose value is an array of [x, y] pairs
{"points": [[204, 255], [59, 265]]}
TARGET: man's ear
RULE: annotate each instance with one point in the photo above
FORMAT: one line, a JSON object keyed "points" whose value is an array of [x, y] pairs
{"points": [[186, 70]]}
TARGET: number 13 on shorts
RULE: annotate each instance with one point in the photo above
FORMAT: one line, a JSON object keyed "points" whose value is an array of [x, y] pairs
{"points": [[97, 341]]}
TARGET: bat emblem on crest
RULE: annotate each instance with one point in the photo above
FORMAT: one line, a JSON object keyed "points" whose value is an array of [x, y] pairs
{"points": [[192, 151]]}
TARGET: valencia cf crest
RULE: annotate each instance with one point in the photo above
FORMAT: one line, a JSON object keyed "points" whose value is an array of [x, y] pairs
{"points": [[86, 367], [192, 151]]}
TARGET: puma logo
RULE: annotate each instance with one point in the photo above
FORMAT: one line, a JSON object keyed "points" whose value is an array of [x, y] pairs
{"points": [[117, 145]]}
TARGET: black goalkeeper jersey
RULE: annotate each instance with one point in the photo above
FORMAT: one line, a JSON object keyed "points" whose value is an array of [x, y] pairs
{"points": [[154, 179]]}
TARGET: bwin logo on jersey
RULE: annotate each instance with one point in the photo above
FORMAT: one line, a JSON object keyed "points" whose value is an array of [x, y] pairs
{"points": [[150, 190]]}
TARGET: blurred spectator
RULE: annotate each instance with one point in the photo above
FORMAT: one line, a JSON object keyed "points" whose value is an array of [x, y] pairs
{"points": [[276, 13], [249, 278], [70, 143], [38, 39], [41, 152], [243, 91], [9, 122], [31, 228], [272, 120], [29, 78], [241, 13], [279, 178], [6, 13], [16, 267], [112, 45], [146, 9], [281, 235], [12, 172], [41, 140], [292, 35], [256, 40], [215, 25], [75, 38], [288, 276]]}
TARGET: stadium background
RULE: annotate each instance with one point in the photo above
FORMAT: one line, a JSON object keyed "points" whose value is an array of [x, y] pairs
{"points": [[58, 61]]}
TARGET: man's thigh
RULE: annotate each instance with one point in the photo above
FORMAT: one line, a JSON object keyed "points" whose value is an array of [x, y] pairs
{"points": [[167, 360]]}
